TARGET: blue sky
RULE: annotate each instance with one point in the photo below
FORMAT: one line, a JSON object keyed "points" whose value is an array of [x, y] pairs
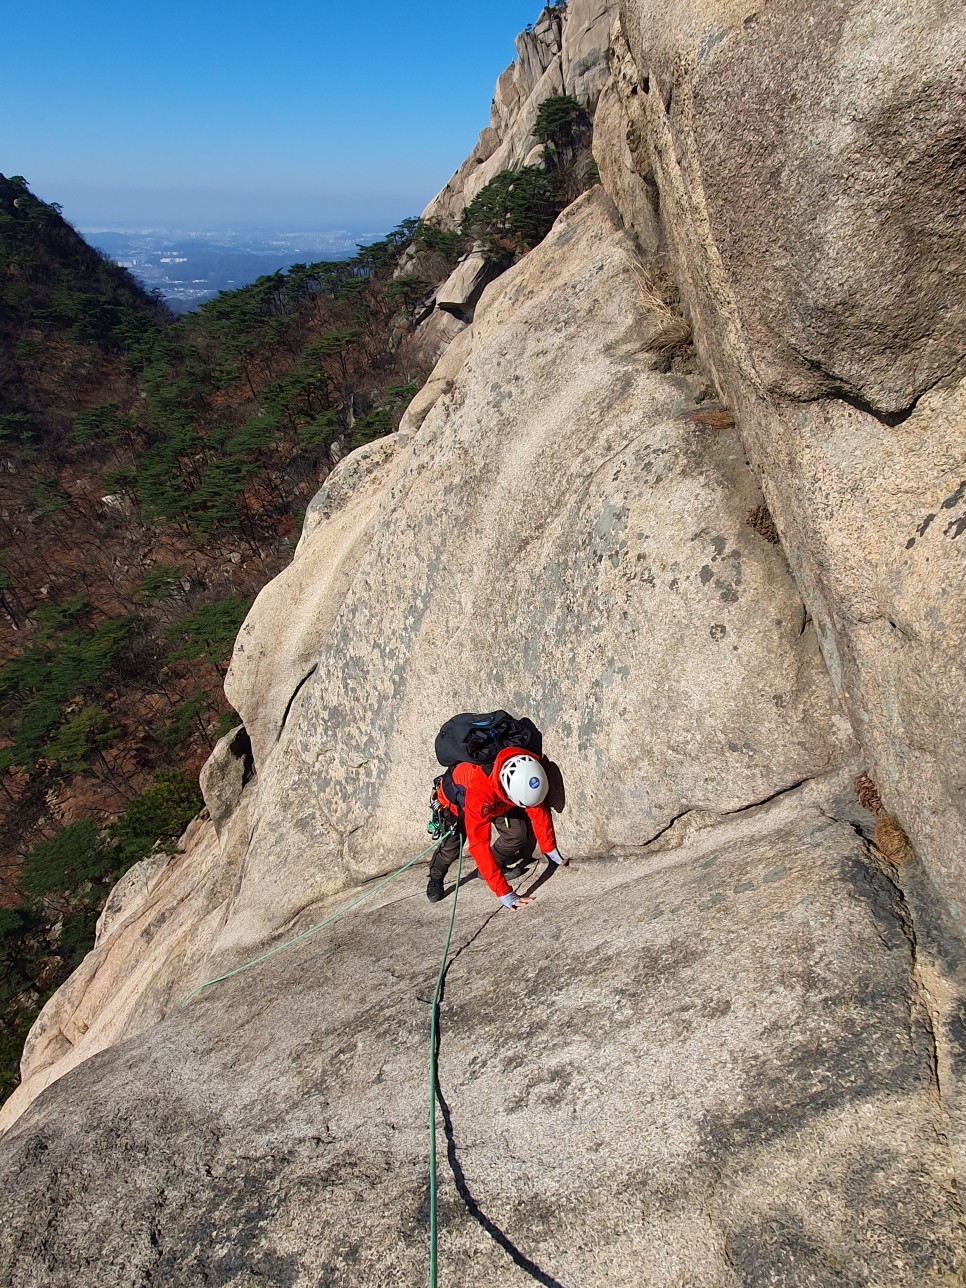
{"points": [[192, 115]]}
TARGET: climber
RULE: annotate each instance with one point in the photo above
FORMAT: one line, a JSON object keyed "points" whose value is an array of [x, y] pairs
{"points": [[508, 796]]}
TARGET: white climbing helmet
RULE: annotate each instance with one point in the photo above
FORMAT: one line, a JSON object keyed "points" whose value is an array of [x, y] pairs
{"points": [[524, 781]]}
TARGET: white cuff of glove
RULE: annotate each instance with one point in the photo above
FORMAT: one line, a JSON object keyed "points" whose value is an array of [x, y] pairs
{"points": [[556, 856], [509, 900]]}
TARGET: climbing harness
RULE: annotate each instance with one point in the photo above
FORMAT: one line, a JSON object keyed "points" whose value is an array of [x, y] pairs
{"points": [[433, 1074], [435, 825], [312, 929]]}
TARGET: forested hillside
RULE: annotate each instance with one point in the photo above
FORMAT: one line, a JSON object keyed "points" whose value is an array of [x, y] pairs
{"points": [[155, 475]]}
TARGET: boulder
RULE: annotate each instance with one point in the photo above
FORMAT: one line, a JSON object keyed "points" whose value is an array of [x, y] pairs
{"points": [[464, 286]]}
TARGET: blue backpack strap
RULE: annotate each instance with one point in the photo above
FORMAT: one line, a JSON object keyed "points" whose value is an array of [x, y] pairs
{"points": [[454, 792]]}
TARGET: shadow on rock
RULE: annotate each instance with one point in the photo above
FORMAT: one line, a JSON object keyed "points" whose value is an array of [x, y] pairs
{"points": [[462, 1188]]}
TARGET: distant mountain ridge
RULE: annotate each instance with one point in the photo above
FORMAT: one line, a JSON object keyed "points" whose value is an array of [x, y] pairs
{"points": [[62, 306]]}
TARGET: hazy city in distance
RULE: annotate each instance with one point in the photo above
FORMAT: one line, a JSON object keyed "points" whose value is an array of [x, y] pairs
{"points": [[191, 267], [252, 149]]}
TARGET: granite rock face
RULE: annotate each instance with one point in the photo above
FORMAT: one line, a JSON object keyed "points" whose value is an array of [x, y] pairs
{"points": [[808, 161], [464, 286], [498, 555], [724, 576], [713, 1067], [624, 599], [564, 53], [826, 139], [271, 663]]}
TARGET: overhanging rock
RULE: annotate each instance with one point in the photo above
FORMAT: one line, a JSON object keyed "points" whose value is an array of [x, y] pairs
{"points": [[464, 286]]}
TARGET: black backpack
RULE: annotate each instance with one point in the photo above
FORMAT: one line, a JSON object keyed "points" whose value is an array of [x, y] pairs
{"points": [[477, 738]]}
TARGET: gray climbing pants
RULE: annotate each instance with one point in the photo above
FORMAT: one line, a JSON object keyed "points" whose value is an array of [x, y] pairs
{"points": [[514, 841]]}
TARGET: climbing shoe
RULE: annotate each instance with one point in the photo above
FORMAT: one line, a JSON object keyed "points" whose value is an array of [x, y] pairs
{"points": [[434, 890], [516, 868]]}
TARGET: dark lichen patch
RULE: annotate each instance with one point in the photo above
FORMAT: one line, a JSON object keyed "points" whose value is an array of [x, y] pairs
{"points": [[782, 1246], [728, 576], [921, 530], [884, 900], [852, 1057]]}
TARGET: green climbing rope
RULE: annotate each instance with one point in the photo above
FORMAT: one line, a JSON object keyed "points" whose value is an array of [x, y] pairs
{"points": [[434, 1021], [312, 929], [433, 1031]]}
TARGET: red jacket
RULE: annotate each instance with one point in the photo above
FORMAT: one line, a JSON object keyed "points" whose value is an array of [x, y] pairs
{"points": [[484, 802]]}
